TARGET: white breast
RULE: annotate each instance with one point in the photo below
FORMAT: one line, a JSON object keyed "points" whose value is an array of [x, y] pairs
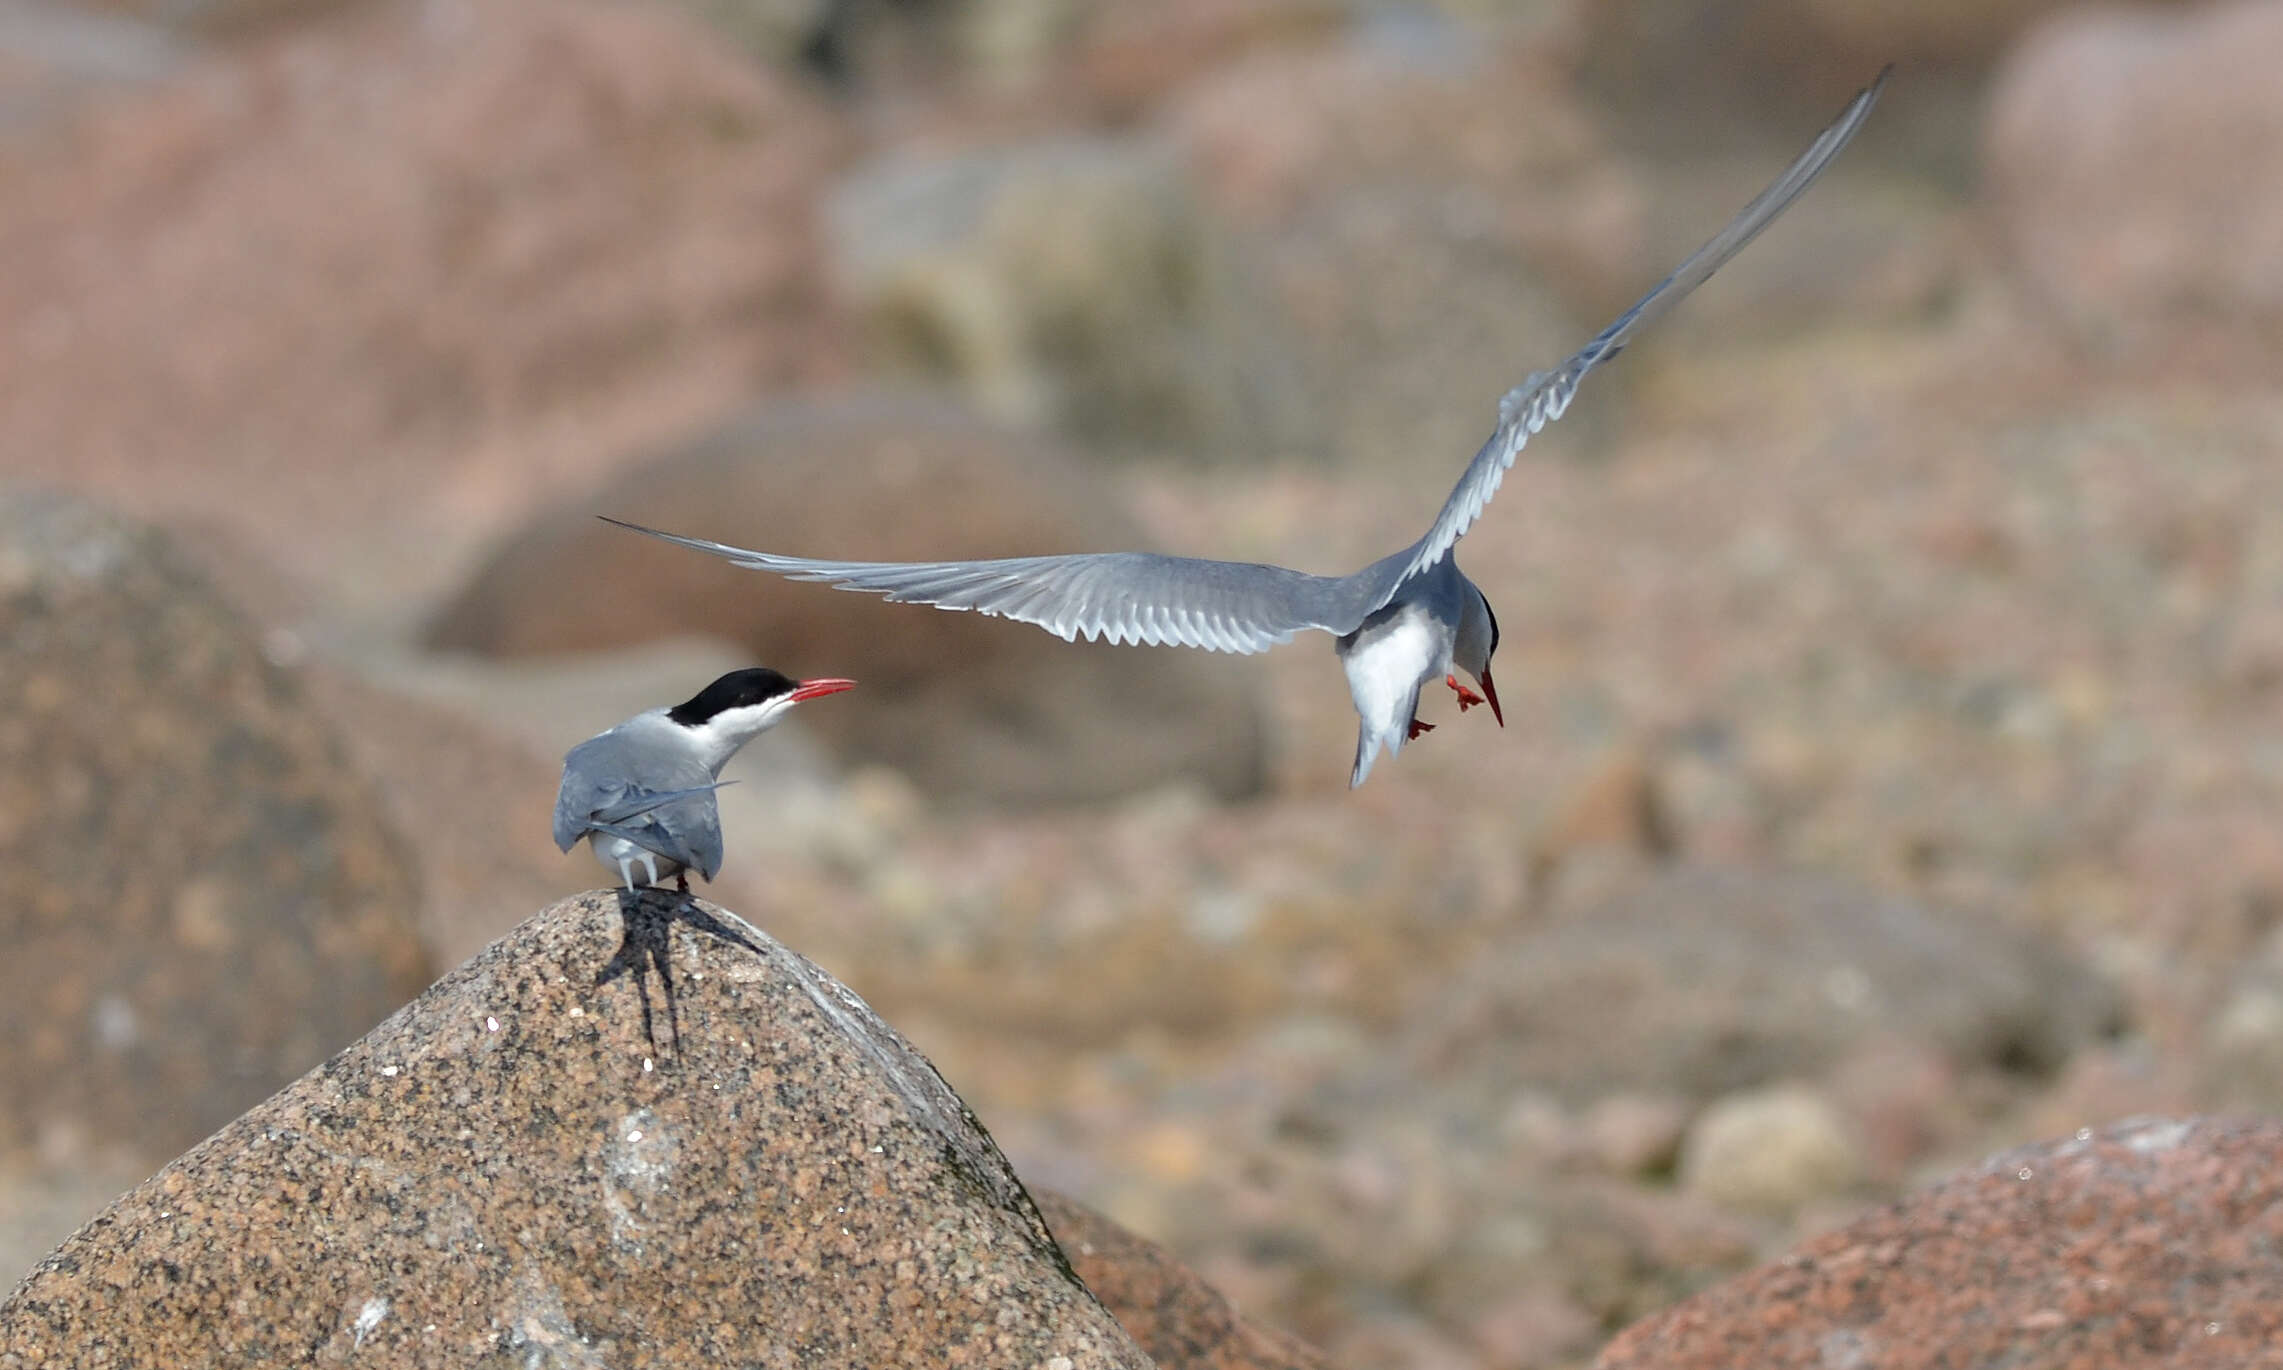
{"points": [[1391, 660]]}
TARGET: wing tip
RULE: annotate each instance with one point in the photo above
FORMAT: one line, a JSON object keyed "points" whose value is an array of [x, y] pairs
{"points": [[719, 549]]}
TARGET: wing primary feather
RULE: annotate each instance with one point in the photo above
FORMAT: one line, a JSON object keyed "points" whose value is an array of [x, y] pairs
{"points": [[1120, 597], [1544, 396]]}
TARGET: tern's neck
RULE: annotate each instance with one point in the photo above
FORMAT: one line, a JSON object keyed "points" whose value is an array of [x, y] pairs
{"points": [[718, 739]]}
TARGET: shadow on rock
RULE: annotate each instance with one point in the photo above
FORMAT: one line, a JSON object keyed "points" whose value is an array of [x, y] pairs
{"points": [[649, 917]]}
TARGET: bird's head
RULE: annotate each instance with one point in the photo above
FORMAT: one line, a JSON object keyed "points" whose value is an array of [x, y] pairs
{"points": [[744, 704], [1477, 642]]}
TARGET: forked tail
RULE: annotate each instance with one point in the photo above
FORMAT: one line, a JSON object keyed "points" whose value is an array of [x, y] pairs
{"points": [[1390, 733]]}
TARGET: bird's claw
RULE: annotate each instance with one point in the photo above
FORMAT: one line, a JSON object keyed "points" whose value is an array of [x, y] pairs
{"points": [[1467, 698], [1418, 728]]}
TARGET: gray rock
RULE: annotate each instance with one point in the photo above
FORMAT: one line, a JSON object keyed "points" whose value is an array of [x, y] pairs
{"points": [[1434, 216], [207, 899], [623, 1134], [2132, 166], [1774, 1149], [1668, 49], [1071, 283], [56, 56], [196, 18], [2241, 1064], [1632, 1134], [1703, 981], [965, 706]]}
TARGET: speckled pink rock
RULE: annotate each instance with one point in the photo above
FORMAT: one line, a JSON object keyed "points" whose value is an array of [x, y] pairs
{"points": [[2152, 1244], [204, 897], [602, 1141], [1183, 1322]]}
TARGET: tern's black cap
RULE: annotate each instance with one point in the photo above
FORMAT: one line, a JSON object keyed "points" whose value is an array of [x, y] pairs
{"points": [[737, 690]]}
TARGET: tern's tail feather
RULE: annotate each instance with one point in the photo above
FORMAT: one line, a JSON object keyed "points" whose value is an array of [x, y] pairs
{"points": [[1367, 751], [654, 837], [1390, 733]]}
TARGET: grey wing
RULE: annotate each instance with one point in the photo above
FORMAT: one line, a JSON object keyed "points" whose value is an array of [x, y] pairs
{"points": [[635, 801], [1221, 606], [659, 821], [603, 782], [681, 824], [576, 803], [1544, 395], [690, 834]]}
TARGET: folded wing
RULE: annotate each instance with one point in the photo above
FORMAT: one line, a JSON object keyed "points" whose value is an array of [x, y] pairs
{"points": [[633, 802], [693, 839]]}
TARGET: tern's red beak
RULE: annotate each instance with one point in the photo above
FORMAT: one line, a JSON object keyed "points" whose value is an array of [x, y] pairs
{"points": [[1490, 695], [815, 689]]}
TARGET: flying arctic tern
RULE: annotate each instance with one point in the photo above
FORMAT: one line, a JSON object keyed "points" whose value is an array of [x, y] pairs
{"points": [[642, 793], [1399, 623]]}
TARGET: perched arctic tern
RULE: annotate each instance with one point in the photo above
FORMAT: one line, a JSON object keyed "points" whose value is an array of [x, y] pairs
{"points": [[1400, 622], [641, 794]]}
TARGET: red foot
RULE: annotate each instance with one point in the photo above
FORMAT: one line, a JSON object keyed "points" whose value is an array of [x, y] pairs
{"points": [[1417, 728], [1467, 698]]}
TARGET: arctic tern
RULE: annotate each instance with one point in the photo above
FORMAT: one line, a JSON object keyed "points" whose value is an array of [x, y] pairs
{"points": [[642, 793], [1400, 622]]}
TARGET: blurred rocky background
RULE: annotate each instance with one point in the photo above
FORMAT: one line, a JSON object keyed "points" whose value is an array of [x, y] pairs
{"points": [[1893, 642]]}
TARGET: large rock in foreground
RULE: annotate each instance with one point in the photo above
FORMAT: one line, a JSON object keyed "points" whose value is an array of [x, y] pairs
{"points": [[605, 1140], [2154, 1244], [204, 899]]}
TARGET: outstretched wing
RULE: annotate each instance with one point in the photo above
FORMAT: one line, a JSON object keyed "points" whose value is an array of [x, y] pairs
{"points": [[1221, 606], [1541, 398]]}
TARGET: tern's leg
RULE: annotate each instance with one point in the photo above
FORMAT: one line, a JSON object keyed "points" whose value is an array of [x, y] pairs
{"points": [[682, 880], [1417, 728], [1467, 698]]}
